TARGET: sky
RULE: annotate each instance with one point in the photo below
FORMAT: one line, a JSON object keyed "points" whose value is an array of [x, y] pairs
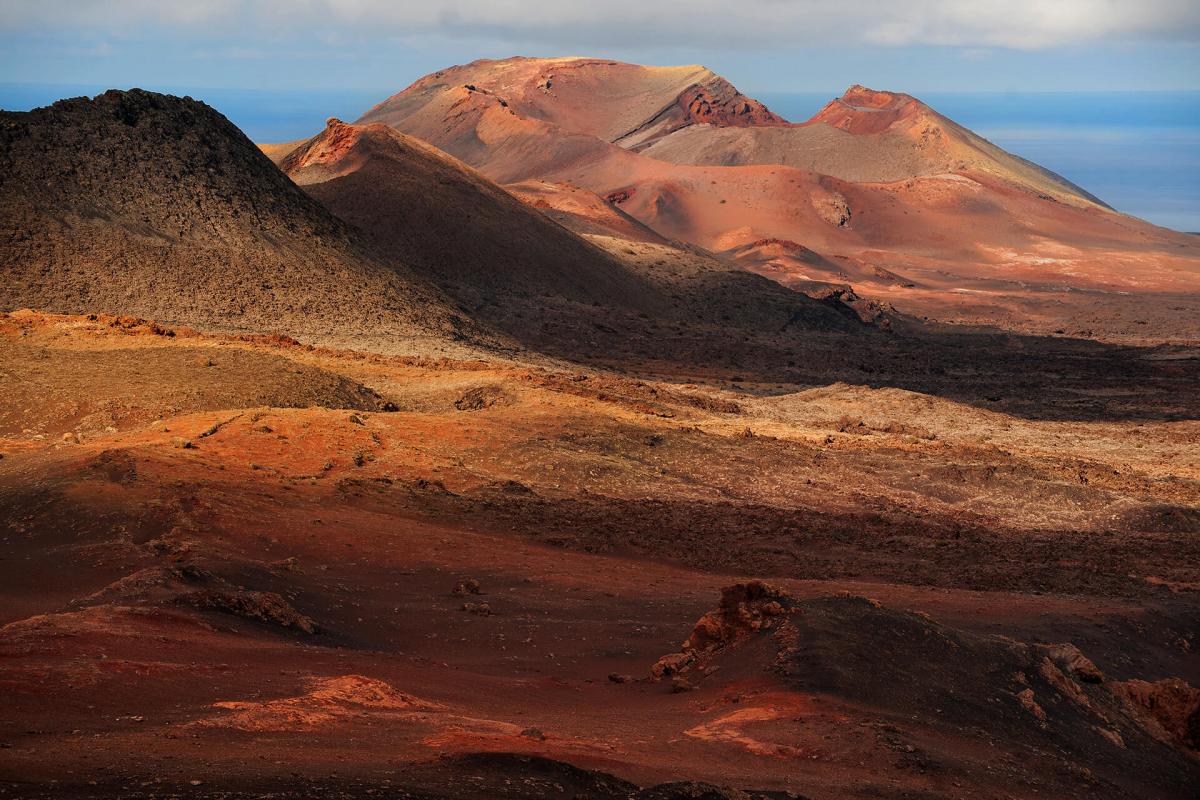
{"points": [[919, 46]]}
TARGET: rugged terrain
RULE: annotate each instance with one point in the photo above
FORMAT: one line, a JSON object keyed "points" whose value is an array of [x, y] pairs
{"points": [[231, 566], [361, 477]]}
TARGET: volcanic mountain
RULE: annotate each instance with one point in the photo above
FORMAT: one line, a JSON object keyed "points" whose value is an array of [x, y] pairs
{"points": [[143, 204], [877, 183], [157, 206], [866, 137]]}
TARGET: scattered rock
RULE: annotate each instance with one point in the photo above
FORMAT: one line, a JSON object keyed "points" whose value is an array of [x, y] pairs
{"points": [[745, 609], [681, 684], [1027, 699], [265, 607], [482, 609], [1074, 663], [289, 564], [619, 196], [672, 664], [480, 398], [849, 424], [467, 586], [328, 700], [832, 207]]}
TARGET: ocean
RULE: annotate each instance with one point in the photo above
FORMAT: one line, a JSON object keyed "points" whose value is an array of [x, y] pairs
{"points": [[1139, 152]]}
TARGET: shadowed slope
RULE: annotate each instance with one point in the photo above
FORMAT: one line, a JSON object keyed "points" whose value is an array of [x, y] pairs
{"points": [[543, 284], [460, 229]]}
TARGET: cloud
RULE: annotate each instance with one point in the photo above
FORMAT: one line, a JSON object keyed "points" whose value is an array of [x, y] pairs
{"points": [[1017, 24]]}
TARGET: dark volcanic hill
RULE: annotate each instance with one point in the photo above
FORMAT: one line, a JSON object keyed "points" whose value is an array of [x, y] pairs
{"points": [[458, 228], [145, 204]]}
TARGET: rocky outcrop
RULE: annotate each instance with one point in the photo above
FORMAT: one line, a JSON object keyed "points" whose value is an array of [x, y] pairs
{"points": [[745, 610], [265, 607], [717, 102], [1170, 709], [856, 651]]}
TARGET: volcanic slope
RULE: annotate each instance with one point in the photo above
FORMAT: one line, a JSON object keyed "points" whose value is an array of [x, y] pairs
{"points": [[906, 204], [151, 205], [460, 229], [543, 284]]}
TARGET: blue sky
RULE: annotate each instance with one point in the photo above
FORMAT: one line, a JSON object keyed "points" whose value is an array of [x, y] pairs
{"points": [[762, 45]]}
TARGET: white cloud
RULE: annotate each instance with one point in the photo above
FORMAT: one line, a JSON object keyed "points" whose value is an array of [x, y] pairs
{"points": [[1022, 24]]}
